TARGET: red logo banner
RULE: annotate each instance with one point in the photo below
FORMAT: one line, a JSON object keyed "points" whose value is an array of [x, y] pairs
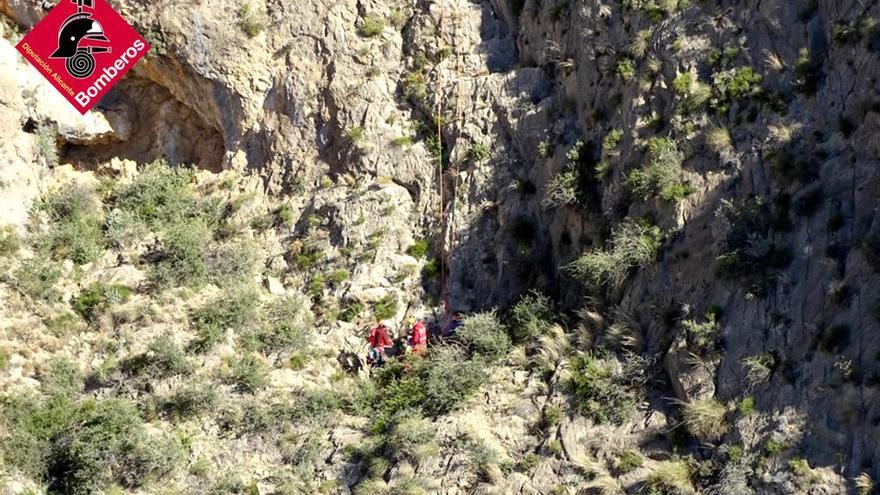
{"points": [[83, 47]]}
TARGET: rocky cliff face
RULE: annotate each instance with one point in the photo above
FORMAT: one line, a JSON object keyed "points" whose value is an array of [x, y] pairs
{"points": [[693, 184]]}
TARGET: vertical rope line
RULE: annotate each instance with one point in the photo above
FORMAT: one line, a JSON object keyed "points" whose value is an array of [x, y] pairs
{"points": [[438, 112]]}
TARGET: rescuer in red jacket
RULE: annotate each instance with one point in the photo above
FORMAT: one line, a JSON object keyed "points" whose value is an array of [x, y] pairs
{"points": [[418, 336], [380, 343]]}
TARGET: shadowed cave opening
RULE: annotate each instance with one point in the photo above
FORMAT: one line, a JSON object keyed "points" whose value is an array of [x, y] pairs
{"points": [[149, 124]]}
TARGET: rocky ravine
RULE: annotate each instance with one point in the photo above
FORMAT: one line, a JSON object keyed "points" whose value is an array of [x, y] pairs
{"points": [[741, 131]]}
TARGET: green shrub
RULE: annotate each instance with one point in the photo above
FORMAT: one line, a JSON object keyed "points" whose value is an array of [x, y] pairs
{"points": [[36, 278], [739, 83], [356, 134], [443, 395], [385, 308], [371, 26], [236, 310], [415, 87], [123, 228], [410, 438], [419, 249], [612, 139], [792, 165], [402, 141], [758, 368], [683, 82], [632, 244], [702, 337], [705, 419], [531, 317], [628, 461], [99, 298], [191, 401], [286, 325], [233, 263], [163, 358], [309, 256], [317, 406], [183, 254], [809, 72], [625, 68], [75, 225], [248, 374], [478, 152], [805, 475], [746, 407], [397, 391], [9, 241], [717, 139], [262, 223], [250, 21], [283, 216], [550, 417], [661, 175], [84, 447], [734, 84], [432, 269], [562, 189], [160, 195], [599, 392], [484, 335], [529, 462], [577, 184], [352, 310], [61, 376], [748, 250]]}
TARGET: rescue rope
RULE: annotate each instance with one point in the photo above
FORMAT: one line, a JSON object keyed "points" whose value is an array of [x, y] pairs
{"points": [[447, 216], [438, 112]]}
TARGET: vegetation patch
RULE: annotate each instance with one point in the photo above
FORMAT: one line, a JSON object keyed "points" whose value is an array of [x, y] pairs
{"points": [[83, 447], [531, 317], [705, 419], [484, 335], [577, 184], [661, 175], [75, 218], [371, 27], [98, 298], [749, 249], [599, 390], [632, 244]]}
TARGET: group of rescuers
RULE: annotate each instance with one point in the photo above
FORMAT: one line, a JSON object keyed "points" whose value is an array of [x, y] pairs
{"points": [[416, 342]]}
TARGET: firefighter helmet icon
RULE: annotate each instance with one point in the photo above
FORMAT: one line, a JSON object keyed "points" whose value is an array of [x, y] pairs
{"points": [[73, 36]]}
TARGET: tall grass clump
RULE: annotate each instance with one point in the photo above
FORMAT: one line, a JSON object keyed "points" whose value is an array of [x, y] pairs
{"points": [[705, 419], [670, 478], [632, 244]]}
